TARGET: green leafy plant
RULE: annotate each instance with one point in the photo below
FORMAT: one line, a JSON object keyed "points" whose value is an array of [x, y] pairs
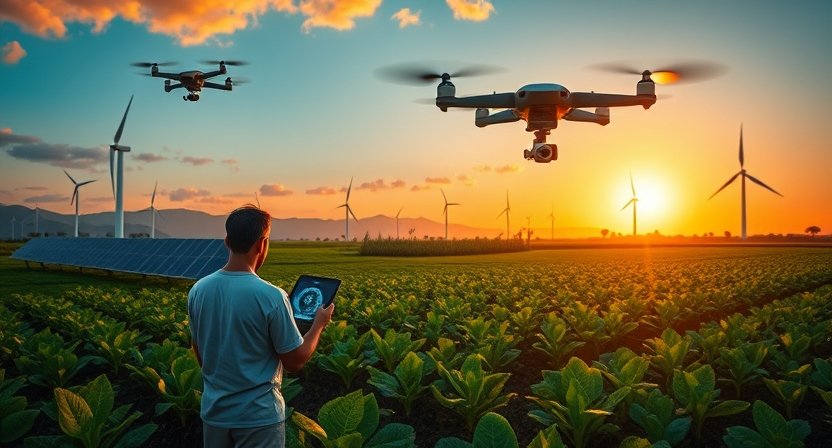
{"points": [[695, 391], [15, 419], [822, 383], [406, 382], [346, 359], [743, 364], [161, 356], [554, 339], [616, 326], [525, 322], [657, 417], [87, 416], [499, 351], [393, 347], [472, 391], [772, 430], [351, 421], [574, 399], [789, 393], [588, 325], [492, 431], [434, 326], [638, 442], [625, 368], [48, 363], [445, 352], [114, 342], [791, 361], [478, 331], [708, 341], [667, 353], [179, 385]]}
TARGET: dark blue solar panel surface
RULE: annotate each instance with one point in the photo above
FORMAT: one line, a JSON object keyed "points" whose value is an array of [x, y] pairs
{"points": [[168, 257]]}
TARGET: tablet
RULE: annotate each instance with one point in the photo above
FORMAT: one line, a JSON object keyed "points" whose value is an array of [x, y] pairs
{"points": [[311, 292]]}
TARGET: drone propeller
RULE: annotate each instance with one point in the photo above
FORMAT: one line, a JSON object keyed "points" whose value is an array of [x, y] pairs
{"points": [[151, 64], [238, 80], [212, 62], [684, 72], [432, 102], [419, 73]]}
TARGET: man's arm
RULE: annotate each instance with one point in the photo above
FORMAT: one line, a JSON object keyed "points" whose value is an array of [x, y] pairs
{"points": [[294, 360]]}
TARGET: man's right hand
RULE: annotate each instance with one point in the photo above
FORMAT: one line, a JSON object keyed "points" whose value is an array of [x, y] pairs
{"points": [[324, 315]]}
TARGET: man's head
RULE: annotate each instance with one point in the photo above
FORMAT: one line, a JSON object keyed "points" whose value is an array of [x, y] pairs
{"points": [[247, 232]]}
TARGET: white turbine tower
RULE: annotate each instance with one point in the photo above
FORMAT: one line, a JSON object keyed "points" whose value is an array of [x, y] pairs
{"points": [[117, 182], [348, 212], [397, 221], [76, 197], [37, 222], [506, 210], [632, 201], [153, 211], [744, 174], [445, 210], [14, 219]]}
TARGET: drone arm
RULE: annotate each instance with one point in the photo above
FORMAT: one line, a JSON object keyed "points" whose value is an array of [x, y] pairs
{"points": [[493, 101], [483, 119], [210, 75], [602, 116], [173, 76], [213, 85], [585, 99], [168, 88]]}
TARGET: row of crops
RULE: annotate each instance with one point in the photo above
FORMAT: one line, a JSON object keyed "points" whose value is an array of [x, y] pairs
{"points": [[599, 353]]}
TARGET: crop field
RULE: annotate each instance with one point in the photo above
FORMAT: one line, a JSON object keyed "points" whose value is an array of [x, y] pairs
{"points": [[631, 347]]}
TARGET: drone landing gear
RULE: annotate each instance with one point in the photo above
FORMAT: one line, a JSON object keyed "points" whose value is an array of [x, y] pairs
{"points": [[541, 151]]}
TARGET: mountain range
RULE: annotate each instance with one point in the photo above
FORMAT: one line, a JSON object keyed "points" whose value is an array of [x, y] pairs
{"points": [[183, 223]]}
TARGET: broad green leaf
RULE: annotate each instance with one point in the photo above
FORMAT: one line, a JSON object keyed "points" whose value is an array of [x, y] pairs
{"points": [[769, 422], [74, 415], [742, 437], [547, 438], [48, 442], [677, 430], [351, 440], [494, 431], [369, 420], [342, 415], [136, 437], [635, 442], [17, 424], [393, 435], [728, 407], [309, 426], [452, 442]]}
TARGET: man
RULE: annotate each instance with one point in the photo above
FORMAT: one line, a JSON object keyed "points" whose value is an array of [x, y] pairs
{"points": [[244, 335]]}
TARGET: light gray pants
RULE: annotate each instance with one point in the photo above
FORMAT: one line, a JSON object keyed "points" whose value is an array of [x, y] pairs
{"points": [[271, 436]]}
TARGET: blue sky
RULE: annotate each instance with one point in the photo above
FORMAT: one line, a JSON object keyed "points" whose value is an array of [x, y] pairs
{"points": [[315, 115]]}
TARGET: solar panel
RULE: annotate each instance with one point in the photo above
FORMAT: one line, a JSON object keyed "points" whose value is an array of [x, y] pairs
{"points": [[168, 257]]}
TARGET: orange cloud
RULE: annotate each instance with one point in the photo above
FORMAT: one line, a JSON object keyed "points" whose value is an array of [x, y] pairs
{"points": [[507, 169], [187, 193], [197, 161], [473, 10], [467, 180], [13, 53], [336, 14], [189, 22], [420, 187], [437, 180], [406, 17], [322, 191], [482, 168], [275, 190]]}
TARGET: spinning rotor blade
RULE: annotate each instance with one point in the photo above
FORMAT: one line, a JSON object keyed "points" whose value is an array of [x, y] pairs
{"points": [[349, 209], [232, 63], [348, 192], [238, 80], [153, 196], [742, 155], [633, 200], [74, 194], [421, 73], [121, 125], [70, 178], [632, 186], [400, 212], [760, 183], [726, 184], [443, 196], [684, 72], [151, 64]]}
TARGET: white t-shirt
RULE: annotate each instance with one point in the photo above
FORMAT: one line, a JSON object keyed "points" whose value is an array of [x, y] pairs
{"points": [[239, 323]]}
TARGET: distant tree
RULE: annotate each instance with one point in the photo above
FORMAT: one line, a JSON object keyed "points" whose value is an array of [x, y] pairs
{"points": [[317, 238], [727, 234], [343, 237], [812, 230], [711, 234]]}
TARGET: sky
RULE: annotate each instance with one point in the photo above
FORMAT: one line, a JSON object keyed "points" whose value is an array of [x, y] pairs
{"points": [[315, 114]]}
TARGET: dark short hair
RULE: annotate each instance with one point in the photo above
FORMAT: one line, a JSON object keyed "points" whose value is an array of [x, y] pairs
{"points": [[245, 226]]}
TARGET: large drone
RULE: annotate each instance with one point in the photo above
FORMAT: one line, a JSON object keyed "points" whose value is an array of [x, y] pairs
{"points": [[541, 106], [194, 81]]}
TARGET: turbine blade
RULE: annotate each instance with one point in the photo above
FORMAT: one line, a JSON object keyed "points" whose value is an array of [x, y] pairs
{"points": [[454, 203], [257, 199], [112, 178], [627, 204], [87, 182], [343, 205], [501, 213], [632, 185], [74, 194], [121, 125], [348, 191], [742, 154], [445, 210], [726, 184], [760, 183], [153, 196], [349, 209], [70, 178], [443, 195], [400, 211]]}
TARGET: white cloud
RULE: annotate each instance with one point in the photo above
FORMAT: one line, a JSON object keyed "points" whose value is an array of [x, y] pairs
{"points": [[406, 17]]}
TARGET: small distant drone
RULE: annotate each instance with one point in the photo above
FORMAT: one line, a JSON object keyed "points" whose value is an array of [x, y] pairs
{"points": [[193, 80], [541, 106]]}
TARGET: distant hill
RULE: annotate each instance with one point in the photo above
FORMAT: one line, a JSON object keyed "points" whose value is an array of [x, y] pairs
{"points": [[183, 223]]}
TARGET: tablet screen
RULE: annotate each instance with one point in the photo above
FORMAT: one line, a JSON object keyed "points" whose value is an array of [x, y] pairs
{"points": [[311, 292]]}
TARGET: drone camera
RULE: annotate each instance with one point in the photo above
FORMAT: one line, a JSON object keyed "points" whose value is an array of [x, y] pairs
{"points": [[542, 152]]}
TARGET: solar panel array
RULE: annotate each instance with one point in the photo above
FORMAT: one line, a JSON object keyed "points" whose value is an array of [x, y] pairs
{"points": [[168, 257]]}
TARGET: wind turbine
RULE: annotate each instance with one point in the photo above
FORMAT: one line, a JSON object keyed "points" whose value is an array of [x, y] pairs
{"points": [[257, 199], [117, 150], [14, 219], [397, 221], [506, 211], [445, 210], [744, 174], [552, 218], [153, 211], [348, 212], [37, 223], [632, 201], [76, 194]]}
